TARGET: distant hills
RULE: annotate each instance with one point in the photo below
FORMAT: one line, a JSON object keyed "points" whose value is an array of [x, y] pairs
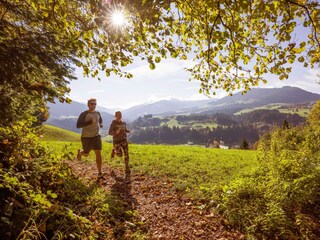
{"points": [[167, 107], [257, 97], [65, 115]]}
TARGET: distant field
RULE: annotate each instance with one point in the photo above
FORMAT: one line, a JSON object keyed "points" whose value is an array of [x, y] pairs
{"points": [[52, 133], [192, 168], [190, 124], [300, 110], [304, 112], [266, 107]]}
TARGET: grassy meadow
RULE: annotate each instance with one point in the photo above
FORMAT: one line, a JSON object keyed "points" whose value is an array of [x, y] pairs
{"points": [[194, 169], [257, 193]]}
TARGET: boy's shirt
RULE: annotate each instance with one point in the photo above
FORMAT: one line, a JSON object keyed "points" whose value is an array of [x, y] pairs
{"points": [[116, 125]]}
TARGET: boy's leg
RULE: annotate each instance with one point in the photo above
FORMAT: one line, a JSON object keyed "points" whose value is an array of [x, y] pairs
{"points": [[119, 151], [125, 147], [115, 150]]}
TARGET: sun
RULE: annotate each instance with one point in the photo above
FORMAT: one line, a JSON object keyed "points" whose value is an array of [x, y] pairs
{"points": [[118, 19]]}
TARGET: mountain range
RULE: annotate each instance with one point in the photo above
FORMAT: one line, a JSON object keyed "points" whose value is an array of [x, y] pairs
{"points": [[257, 97], [65, 115]]}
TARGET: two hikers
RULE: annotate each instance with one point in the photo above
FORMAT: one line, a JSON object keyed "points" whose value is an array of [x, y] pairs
{"points": [[90, 121]]}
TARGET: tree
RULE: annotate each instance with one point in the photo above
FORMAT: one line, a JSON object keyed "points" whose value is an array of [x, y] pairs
{"points": [[234, 43], [285, 124], [244, 144], [314, 115], [237, 42]]}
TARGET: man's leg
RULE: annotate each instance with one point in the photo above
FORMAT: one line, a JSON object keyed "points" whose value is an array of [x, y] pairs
{"points": [[81, 153], [98, 161], [86, 149]]}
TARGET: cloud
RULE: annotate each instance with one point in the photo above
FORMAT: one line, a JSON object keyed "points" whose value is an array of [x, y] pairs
{"points": [[97, 91], [167, 68]]}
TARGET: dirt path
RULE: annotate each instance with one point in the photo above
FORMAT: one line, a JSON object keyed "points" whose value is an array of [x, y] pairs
{"points": [[165, 213]]}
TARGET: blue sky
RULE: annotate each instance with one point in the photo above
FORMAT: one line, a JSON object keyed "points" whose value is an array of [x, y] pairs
{"points": [[168, 80]]}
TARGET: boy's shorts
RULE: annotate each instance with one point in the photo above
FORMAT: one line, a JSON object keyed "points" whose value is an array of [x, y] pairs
{"points": [[89, 144]]}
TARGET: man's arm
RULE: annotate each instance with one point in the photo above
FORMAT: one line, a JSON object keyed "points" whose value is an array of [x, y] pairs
{"points": [[81, 120], [100, 120]]}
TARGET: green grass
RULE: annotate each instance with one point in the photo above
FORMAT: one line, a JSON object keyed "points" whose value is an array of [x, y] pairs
{"points": [[265, 107], [191, 124], [190, 167], [303, 112], [52, 133], [283, 108], [172, 123], [212, 125]]}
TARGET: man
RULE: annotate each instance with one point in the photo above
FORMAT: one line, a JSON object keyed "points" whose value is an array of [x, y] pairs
{"points": [[90, 121]]}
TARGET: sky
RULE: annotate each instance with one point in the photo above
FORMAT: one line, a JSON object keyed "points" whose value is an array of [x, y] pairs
{"points": [[168, 80]]}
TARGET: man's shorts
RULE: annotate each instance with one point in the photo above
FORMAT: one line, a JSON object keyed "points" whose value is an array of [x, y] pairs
{"points": [[89, 144]]}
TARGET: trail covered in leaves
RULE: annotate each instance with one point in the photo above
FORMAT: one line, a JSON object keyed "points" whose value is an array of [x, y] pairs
{"points": [[159, 211]]}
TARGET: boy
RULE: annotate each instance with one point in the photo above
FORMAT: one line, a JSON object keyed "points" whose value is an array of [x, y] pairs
{"points": [[119, 132]]}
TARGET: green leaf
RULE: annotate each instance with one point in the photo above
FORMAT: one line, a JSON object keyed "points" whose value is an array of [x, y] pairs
{"points": [[157, 59], [152, 66]]}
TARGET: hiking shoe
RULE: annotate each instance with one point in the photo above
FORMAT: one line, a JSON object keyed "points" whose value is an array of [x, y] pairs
{"points": [[127, 181], [119, 153], [79, 156], [100, 175]]}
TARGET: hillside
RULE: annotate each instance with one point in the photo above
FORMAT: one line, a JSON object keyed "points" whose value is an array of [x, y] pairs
{"points": [[286, 100], [255, 98], [260, 97], [167, 107], [203, 129], [52, 133]]}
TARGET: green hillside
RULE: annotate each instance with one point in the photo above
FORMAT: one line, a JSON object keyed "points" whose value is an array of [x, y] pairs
{"points": [[52, 133]]}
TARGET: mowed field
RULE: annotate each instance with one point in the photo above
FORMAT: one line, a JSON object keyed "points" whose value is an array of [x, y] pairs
{"points": [[195, 169]]}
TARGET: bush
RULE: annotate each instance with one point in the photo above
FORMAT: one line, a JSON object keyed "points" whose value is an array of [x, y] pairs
{"points": [[281, 200]]}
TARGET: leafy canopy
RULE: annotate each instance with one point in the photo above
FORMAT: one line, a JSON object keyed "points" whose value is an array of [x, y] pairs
{"points": [[234, 43]]}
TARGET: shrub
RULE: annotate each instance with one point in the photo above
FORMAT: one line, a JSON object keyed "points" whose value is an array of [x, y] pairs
{"points": [[281, 200]]}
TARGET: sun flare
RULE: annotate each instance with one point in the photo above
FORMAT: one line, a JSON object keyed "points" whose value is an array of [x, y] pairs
{"points": [[118, 18]]}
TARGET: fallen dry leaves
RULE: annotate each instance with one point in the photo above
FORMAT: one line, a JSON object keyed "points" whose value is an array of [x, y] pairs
{"points": [[166, 214]]}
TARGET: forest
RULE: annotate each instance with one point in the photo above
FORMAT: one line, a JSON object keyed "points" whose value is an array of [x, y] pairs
{"points": [[228, 129]]}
